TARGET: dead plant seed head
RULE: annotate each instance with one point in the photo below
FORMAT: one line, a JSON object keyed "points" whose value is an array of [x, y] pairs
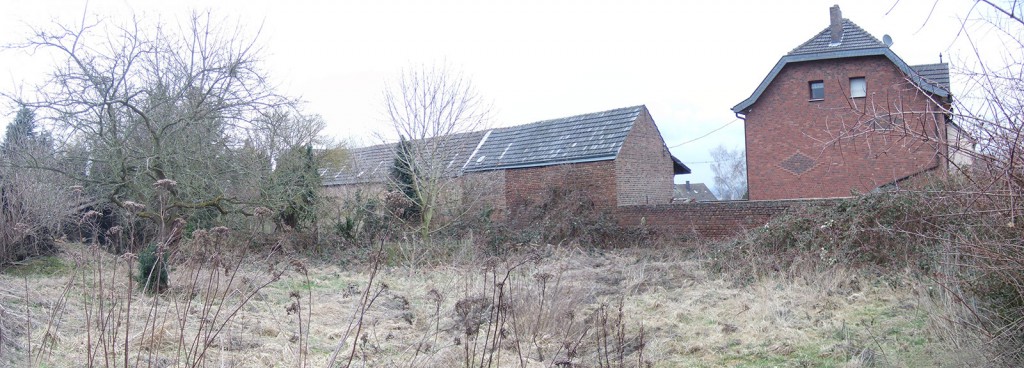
{"points": [[200, 236], [220, 231], [543, 277], [134, 207], [435, 296], [114, 231], [262, 212], [165, 184], [89, 216]]}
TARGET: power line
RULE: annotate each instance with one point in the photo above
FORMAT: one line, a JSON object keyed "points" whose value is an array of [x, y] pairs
{"points": [[711, 162], [707, 134]]}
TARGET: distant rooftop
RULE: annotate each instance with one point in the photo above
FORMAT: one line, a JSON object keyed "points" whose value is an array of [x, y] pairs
{"points": [[692, 192]]}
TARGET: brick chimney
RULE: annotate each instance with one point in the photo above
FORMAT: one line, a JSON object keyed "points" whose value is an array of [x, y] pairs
{"points": [[836, 18]]}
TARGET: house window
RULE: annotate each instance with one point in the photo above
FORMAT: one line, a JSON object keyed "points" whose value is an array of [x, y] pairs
{"points": [[817, 90], [858, 87]]}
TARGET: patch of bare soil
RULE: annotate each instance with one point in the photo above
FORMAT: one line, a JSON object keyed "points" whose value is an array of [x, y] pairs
{"points": [[550, 307]]}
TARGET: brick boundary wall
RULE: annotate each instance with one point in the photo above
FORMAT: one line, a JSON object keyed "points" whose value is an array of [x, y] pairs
{"points": [[710, 220]]}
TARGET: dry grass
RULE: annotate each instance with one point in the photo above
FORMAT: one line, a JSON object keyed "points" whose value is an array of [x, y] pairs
{"points": [[552, 307]]}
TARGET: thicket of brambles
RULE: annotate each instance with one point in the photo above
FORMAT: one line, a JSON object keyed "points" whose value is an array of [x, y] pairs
{"points": [[945, 231]]}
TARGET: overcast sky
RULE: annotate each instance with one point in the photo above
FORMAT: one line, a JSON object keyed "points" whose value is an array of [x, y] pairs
{"points": [[688, 61]]}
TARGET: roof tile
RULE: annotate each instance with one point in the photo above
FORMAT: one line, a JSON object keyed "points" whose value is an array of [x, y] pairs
{"points": [[936, 74], [854, 38], [581, 138]]}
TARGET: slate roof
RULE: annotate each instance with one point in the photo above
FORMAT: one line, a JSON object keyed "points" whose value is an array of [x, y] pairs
{"points": [[855, 43], [582, 138], [373, 164], [854, 38], [365, 165], [937, 74], [589, 137], [698, 192]]}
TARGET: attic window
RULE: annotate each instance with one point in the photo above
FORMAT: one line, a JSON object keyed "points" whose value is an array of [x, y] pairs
{"points": [[817, 90], [858, 87]]}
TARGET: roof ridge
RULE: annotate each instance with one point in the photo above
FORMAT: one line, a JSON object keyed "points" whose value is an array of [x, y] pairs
{"points": [[943, 64], [854, 38], [577, 115]]}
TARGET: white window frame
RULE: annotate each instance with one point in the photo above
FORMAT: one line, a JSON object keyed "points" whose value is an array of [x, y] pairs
{"points": [[858, 87]]}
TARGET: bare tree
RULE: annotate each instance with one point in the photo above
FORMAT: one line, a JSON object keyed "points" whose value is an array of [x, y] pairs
{"points": [[33, 203], [433, 109], [730, 169], [136, 103]]}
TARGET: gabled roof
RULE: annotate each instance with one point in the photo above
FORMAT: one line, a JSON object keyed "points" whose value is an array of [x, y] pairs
{"points": [[373, 164], [855, 42], [854, 38], [582, 138], [365, 165], [692, 192]]}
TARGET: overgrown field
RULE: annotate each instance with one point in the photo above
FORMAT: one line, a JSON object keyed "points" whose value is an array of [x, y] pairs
{"points": [[540, 306]]}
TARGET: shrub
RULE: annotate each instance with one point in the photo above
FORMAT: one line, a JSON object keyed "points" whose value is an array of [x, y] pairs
{"points": [[567, 214], [152, 276], [963, 237], [360, 219]]}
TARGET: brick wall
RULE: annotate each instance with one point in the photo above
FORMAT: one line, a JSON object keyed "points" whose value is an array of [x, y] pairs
{"points": [[643, 168], [531, 186], [701, 220], [798, 148], [486, 188], [708, 220]]}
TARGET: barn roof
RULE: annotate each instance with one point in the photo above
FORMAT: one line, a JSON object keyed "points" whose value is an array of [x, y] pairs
{"points": [[373, 164], [589, 137]]}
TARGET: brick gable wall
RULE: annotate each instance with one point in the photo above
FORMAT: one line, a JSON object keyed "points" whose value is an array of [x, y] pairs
{"points": [[798, 148], [643, 169]]}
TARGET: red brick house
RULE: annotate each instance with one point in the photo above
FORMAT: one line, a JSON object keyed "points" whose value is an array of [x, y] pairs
{"points": [[617, 157], [842, 113]]}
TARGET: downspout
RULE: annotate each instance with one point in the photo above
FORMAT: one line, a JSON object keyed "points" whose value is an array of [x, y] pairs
{"points": [[746, 152]]}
